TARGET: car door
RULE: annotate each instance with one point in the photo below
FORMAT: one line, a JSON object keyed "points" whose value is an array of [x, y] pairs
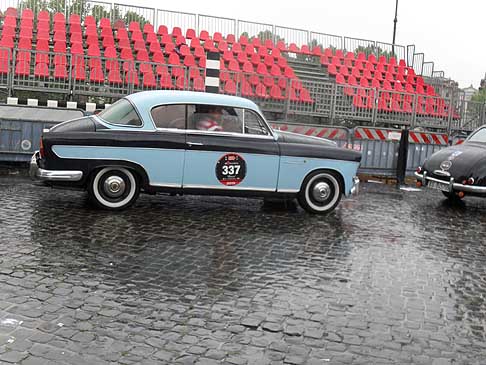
{"points": [[166, 166], [230, 151]]}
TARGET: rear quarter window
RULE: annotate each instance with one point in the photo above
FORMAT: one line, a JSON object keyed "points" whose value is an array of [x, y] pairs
{"points": [[121, 113]]}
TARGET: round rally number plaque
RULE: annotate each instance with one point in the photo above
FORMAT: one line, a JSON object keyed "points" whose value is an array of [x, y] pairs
{"points": [[231, 169]]}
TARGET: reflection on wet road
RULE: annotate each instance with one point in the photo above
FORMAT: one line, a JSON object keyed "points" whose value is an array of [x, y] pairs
{"points": [[390, 277]]}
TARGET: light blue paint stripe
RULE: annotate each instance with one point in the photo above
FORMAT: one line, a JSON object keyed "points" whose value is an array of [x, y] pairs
{"points": [[294, 169], [261, 170], [163, 166]]}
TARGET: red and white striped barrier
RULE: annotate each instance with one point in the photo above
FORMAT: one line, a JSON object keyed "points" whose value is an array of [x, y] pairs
{"points": [[334, 133], [375, 134], [428, 138]]}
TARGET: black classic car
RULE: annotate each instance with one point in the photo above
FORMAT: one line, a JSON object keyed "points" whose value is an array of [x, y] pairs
{"points": [[459, 170]]}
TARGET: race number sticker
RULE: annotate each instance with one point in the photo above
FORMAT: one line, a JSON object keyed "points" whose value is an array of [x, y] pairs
{"points": [[231, 169]]}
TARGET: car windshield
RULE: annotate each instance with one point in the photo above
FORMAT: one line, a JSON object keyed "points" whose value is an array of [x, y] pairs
{"points": [[121, 113], [479, 136]]}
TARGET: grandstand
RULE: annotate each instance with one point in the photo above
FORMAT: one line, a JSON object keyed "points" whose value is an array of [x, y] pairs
{"points": [[291, 74]]}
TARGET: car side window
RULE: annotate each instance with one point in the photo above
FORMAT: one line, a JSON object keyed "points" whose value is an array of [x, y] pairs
{"points": [[253, 123], [121, 113], [169, 116], [214, 118]]}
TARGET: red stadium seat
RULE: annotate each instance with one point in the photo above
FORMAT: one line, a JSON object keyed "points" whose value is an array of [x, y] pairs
{"points": [[25, 43], [276, 93], [176, 32], [22, 68], [94, 62], [246, 89], [41, 70], [60, 47], [131, 78], [230, 38], [247, 67], [94, 51], [190, 33], [218, 37], [189, 61], [162, 30], [198, 84], [143, 56], [41, 57], [149, 80], [261, 91], [114, 77], [261, 69], [180, 82], [77, 49], [230, 87], [110, 52], [204, 35], [60, 59], [126, 54], [305, 96], [233, 66], [166, 81], [96, 75]]}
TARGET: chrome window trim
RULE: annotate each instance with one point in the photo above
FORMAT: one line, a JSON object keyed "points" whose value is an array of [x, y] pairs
{"points": [[228, 134], [258, 113]]}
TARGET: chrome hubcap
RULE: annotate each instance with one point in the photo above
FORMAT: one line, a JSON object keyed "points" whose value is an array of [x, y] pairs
{"points": [[114, 186], [321, 191]]}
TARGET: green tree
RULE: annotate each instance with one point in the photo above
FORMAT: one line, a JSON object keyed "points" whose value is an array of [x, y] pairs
{"points": [[479, 96], [372, 49], [131, 16]]}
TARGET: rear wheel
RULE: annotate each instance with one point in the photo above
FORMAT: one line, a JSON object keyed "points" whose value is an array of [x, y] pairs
{"points": [[114, 188], [320, 193]]}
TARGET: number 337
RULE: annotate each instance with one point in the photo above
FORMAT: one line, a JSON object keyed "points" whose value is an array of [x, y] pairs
{"points": [[231, 169]]}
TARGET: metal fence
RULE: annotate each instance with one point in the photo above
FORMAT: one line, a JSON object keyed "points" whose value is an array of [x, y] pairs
{"points": [[160, 17], [378, 146], [99, 78]]}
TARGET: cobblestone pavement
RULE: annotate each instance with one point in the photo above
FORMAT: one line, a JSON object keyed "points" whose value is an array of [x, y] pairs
{"points": [[390, 277]]}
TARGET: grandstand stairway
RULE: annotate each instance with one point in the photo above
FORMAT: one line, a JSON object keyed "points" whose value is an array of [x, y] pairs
{"points": [[310, 70]]}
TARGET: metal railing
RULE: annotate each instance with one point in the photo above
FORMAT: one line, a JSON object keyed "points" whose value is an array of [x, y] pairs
{"points": [[77, 76], [157, 17]]}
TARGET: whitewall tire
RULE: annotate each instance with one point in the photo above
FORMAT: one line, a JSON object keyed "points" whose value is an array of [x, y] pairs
{"points": [[114, 188], [320, 192]]}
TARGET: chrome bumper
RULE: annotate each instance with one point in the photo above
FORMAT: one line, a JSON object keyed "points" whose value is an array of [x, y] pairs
{"points": [[355, 188], [453, 186], [36, 172]]}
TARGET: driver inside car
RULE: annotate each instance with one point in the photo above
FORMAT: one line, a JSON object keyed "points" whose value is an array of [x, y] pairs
{"points": [[210, 119]]}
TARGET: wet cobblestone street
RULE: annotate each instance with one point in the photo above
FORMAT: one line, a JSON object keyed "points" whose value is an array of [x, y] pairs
{"points": [[390, 277]]}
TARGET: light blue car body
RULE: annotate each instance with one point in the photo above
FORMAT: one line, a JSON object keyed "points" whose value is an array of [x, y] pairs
{"points": [[196, 169]]}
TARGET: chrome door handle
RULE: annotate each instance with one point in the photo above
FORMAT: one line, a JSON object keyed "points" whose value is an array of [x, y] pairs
{"points": [[190, 144]]}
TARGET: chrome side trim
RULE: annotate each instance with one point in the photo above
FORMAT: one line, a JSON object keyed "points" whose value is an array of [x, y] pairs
{"points": [[167, 185], [224, 187], [453, 186], [288, 190]]}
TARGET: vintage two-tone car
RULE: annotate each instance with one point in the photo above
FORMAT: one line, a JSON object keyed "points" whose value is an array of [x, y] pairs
{"points": [[458, 170], [191, 143]]}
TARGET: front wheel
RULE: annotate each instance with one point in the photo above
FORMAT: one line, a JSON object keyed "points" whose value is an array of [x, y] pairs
{"points": [[113, 188], [320, 193]]}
